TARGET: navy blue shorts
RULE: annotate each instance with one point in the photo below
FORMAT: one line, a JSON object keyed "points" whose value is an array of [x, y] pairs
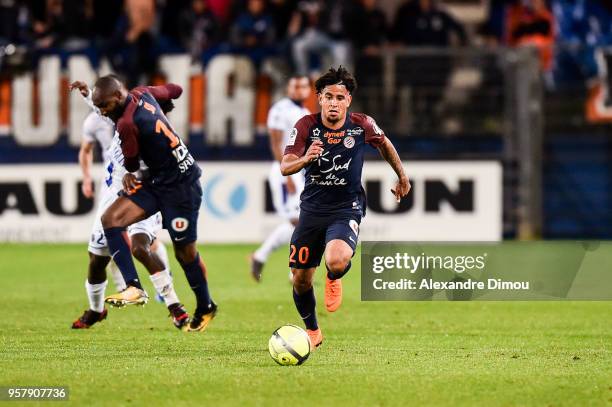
{"points": [[179, 206], [313, 232]]}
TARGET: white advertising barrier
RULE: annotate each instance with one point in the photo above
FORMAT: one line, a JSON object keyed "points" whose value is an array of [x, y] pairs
{"points": [[43, 203], [450, 201]]}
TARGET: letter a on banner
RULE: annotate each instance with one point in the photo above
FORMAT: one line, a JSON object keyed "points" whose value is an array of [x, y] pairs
{"points": [[231, 98]]}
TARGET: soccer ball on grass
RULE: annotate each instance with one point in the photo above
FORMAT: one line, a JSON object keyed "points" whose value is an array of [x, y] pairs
{"points": [[289, 345]]}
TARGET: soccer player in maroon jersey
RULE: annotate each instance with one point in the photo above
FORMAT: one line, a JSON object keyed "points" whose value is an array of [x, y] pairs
{"points": [[329, 146], [172, 187], [143, 235]]}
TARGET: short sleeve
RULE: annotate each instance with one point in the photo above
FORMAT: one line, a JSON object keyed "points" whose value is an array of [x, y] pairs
{"points": [[374, 135], [89, 128], [275, 119], [298, 136]]}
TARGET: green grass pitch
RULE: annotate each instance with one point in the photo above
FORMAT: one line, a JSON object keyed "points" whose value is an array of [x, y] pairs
{"points": [[389, 354]]}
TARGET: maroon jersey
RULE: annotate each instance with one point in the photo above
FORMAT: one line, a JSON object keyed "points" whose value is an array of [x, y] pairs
{"points": [[145, 133], [333, 182]]}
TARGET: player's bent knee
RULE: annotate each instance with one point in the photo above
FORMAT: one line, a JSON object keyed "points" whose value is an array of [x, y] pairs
{"points": [[110, 219], [106, 220], [302, 286], [337, 263], [141, 252]]}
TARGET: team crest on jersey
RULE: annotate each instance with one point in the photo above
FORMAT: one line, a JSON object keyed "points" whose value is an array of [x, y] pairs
{"points": [[180, 224], [349, 142], [292, 137]]}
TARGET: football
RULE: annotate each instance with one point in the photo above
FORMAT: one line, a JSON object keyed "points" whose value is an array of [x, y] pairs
{"points": [[289, 345]]}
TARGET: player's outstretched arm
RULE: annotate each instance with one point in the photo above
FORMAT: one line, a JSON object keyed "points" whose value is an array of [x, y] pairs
{"points": [[86, 93], [291, 163], [85, 160], [165, 92], [389, 153], [81, 86]]}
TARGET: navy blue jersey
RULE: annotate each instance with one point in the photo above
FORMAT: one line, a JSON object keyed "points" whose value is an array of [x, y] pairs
{"points": [[333, 182], [146, 134]]}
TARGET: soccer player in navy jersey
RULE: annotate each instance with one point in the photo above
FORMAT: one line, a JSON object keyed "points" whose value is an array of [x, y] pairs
{"points": [[171, 187], [330, 147]]}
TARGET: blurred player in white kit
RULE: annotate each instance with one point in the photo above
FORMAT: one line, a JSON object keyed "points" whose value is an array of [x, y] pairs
{"points": [[285, 190], [96, 130]]}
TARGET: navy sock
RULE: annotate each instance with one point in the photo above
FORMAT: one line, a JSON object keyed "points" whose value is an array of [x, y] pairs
{"points": [[336, 276], [196, 276], [305, 304], [119, 248]]}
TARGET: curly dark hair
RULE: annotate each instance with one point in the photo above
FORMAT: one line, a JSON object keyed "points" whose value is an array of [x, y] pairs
{"points": [[338, 76]]}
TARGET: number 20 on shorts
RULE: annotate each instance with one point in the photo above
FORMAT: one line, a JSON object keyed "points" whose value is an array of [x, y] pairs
{"points": [[302, 254]]}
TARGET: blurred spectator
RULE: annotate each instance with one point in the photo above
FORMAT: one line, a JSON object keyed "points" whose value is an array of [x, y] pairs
{"points": [[171, 13], [14, 22], [198, 29], [141, 17], [365, 13], [66, 24], [37, 9], [320, 28], [134, 41], [530, 23], [106, 14], [492, 29], [253, 32], [422, 23], [221, 9], [45, 26], [366, 42], [282, 11], [583, 27]]}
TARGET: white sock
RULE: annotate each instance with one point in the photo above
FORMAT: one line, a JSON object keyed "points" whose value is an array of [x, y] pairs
{"points": [[163, 285], [160, 250], [95, 295], [281, 235], [116, 276]]}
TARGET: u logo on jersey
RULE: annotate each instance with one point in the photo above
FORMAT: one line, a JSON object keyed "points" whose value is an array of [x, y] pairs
{"points": [[180, 224]]}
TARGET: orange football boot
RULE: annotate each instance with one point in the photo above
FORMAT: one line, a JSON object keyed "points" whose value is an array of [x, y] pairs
{"points": [[333, 294], [316, 338]]}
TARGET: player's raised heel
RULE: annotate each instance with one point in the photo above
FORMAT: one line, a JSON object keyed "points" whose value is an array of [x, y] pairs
{"points": [[180, 317], [129, 296], [89, 318], [316, 338], [333, 294], [200, 320]]}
